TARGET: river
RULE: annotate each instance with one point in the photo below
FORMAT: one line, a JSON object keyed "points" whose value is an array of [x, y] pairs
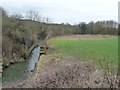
{"points": [[19, 71]]}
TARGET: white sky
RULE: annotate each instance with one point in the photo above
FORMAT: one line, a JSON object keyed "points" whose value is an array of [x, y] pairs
{"points": [[66, 11]]}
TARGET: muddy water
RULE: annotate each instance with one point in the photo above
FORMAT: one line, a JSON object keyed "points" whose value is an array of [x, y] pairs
{"points": [[19, 71]]}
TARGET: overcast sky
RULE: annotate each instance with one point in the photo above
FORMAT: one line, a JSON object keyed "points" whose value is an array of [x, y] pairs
{"points": [[66, 11]]}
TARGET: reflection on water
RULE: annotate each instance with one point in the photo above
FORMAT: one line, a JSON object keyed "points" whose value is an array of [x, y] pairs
{"points": [[14, 72], [18, 71], [34, 58]]}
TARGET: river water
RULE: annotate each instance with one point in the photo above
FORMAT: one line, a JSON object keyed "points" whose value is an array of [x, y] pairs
{"points": [[19, 71]]}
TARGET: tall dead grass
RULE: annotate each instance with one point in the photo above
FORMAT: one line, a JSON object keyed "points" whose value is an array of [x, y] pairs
{"points": [[71, 74]]}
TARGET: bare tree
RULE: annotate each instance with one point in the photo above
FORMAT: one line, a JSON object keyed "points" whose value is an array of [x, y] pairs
{"points": [[46, 20], [16, 16], [33, 15]]}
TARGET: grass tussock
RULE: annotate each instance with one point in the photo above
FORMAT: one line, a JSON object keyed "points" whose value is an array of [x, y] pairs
{"points": [[70, 74], [62, 68]]}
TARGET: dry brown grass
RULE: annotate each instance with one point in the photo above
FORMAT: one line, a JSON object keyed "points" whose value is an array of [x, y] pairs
{"points": [[68, 73], [84, 37]]}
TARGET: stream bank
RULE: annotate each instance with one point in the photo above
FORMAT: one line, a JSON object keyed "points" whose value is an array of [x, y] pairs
{"points": [[55, 71], [19, 71], [18, 60]]}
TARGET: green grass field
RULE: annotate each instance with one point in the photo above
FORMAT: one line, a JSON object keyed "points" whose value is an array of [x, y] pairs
{"points": [[99, 51]]}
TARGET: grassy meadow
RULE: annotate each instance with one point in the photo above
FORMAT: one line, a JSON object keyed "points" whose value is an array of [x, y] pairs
{"points": [[101, 51]]}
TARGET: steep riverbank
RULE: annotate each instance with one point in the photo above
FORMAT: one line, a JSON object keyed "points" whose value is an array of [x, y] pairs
{"points": [[18, 60], [59, 70], [56, 71], [20, 71]]}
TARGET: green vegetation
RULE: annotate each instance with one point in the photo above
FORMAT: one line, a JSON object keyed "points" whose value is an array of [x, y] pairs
{"points": [[102, 52], [14, 72], [21, 34]]}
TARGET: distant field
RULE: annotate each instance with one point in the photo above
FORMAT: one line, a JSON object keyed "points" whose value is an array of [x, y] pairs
{"points": [[102, 51]]}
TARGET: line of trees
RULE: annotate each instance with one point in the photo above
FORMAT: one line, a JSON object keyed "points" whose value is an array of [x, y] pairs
{"points": [[32, 15], [108, 27], [20, 33], [101, 27]]}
